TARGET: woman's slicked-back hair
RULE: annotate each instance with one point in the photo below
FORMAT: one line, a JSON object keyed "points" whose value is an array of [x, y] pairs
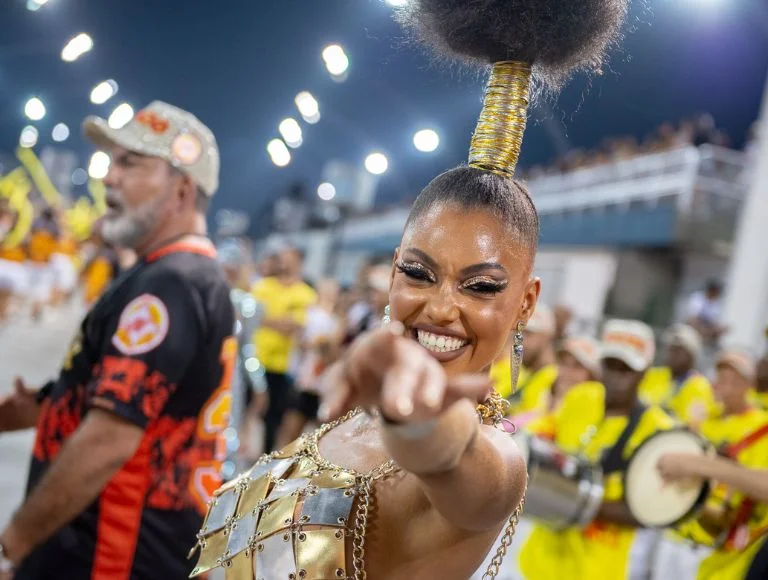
{"points": [[477, 190]]}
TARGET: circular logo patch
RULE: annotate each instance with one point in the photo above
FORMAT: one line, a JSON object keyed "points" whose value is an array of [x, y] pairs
{"points": [[186, 149], [143, 325]]}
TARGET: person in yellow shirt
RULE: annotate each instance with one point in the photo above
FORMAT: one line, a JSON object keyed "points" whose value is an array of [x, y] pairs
{"points": [[576, 401], [730, 514], [678, 387], [40, 247], [611, 547], [539, 364], [285, 300]]}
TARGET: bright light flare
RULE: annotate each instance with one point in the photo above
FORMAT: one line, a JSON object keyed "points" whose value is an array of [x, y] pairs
{"points": [[397, 3], [28, 137], [336, 60], [104, 91], [60, 133], [308, 107], [76, 47], [79, 176], [279, 152], [326, 191], [120, 117], [99, 165], [291, 132], [34, 109], [35, 5], [377, 163], [426, 140]]}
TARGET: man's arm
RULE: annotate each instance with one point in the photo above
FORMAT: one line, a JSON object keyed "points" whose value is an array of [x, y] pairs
{"points": [[88, 460], [287, 326], [459, 458]]}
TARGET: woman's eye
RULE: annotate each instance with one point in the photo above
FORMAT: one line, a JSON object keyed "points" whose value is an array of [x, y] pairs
{"points": [[486, 287], [415, 272]]}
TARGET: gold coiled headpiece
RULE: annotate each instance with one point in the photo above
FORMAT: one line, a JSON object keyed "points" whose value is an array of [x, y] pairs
{"points": [[499, 132]]}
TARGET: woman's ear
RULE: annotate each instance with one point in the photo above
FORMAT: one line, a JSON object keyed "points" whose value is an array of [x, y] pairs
{"points": [[530, 298], [394, 268]]}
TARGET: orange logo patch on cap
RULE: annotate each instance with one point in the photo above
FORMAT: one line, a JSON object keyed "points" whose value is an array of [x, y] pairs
{"points": [[143, 325], [186, 149], [155, 122], [626, 339]]}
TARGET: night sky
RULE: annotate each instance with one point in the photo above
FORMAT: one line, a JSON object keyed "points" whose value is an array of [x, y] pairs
{"points": [[238, 64]]}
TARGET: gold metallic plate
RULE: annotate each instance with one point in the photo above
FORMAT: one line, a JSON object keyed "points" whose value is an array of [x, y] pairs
{"points": [[240, 567], [305, 468], [251, 496], [292, 448], [334, 479], [211, 553], [277, 516], [320, 554]]}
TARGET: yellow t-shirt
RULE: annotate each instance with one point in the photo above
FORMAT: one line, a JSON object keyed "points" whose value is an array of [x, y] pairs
{"points": [[732, 561], [692, 403], [279, 301], [758, 399], [582, 408], [600, 551], [501, 376], [535, 392]]}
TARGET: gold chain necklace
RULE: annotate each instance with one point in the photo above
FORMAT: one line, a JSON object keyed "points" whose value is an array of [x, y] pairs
{"points": [[364, 485]]}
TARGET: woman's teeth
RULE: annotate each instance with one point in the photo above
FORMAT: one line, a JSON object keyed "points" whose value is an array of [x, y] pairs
{"points": [[438, 342]]}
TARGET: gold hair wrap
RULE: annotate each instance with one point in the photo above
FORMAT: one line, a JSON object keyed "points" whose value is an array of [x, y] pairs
{"points": [[499, 132]]}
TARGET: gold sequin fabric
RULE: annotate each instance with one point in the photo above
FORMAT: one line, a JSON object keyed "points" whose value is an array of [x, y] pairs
{"points": [[287, 518]]}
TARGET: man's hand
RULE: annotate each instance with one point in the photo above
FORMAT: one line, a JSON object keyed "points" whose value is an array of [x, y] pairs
{"points": [[383, 369], [19, 410], [679, 467]]}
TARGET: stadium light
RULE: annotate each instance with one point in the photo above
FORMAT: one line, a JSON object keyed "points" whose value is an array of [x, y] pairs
{"points": [[60, 133], [76, 47], [426, 140], [377, 163], [28, 137], [397, 3], [291, 132], [35, 5], [279, 152], [326, 191], [34, 109], [104, 91], [308, 107], [336, 60], [99, 165], [120, 117]]}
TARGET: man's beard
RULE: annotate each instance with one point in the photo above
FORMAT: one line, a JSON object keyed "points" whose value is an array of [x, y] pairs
{"points": [[131, 226]]}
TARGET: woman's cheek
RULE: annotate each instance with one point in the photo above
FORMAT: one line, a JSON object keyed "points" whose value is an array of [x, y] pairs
{"points": [[404, 302]]}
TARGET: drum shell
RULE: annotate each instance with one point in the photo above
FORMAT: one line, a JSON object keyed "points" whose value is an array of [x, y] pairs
{"points": [[563, 490]]}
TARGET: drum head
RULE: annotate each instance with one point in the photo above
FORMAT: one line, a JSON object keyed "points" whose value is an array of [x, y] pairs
{"points": [[653, 502]]}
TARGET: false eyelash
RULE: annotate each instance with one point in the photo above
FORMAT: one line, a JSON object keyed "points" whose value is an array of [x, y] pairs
{"points": [[415, 271]]}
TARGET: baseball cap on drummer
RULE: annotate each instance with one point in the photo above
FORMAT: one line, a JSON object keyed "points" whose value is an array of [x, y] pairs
{"points": [[629, 341], [542, 321], [584, 349], [739, 360], [686, 337], [164, 131]]}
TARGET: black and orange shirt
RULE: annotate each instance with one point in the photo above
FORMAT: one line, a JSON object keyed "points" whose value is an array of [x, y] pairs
{"points": [[157, 350]]}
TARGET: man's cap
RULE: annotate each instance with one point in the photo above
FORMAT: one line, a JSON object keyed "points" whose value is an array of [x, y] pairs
{"points": [[542, 321], [164, 131], [584, 349], [739, 360], [685, 336], [629, 341]]}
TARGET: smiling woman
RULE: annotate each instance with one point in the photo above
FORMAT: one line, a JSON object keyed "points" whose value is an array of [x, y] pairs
{"points": [[427, 458]]}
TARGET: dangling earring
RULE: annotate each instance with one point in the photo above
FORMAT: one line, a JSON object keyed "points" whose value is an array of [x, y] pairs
{"points": [[517, 356], [387, 318]]}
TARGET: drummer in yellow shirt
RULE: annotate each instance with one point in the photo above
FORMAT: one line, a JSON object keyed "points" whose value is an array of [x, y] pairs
{"points": [[760, 394], [576, 401], [729, 512], [678, 387], [605, 549], [539, 364]]}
